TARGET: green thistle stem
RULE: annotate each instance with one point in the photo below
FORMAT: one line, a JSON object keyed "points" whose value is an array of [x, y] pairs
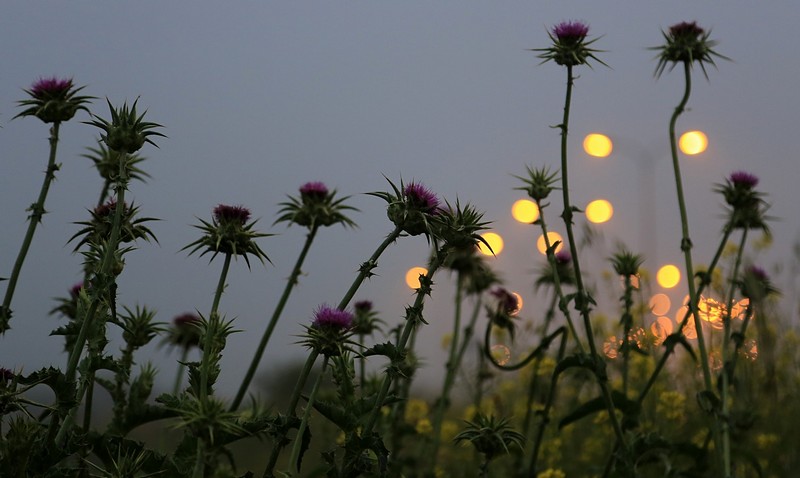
{"points": [[304, 421], [726, 372], [366, 268], [276, 314], [582, 298], [403, 341], [453, 363], [551, 259], [293, 401], [37, 211], [179, 375], [627, 299], [104, 278]]}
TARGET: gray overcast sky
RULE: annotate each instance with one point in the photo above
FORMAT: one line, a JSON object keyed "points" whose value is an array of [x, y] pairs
{"points": [[260, 97]]}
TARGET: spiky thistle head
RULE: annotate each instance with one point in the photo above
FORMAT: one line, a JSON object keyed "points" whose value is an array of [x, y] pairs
{"points": [[126, 131], [490, 436], [229, 232], [539, 183], [503, 309], [561, 268], [626, 263], [410, 207], [329, 330], [747, 205], [316, 206], [569, 45], [365, 319], [107, 164], [459, 228], [185, 330], [53, 100], [686, 42], [756, 285], [98, 228]]}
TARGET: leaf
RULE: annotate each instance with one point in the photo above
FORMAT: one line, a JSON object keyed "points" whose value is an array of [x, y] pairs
{"points": [[387, 349], [305, 441], [679, 338]]}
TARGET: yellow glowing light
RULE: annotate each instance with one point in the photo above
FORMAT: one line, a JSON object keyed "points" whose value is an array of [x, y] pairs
{"points": [[412, 276], [599, 211], [495, 242], [668, 276], [525, 211], [597, 145], [693, 142], [519, 304], [659, 304], [553, 237]]}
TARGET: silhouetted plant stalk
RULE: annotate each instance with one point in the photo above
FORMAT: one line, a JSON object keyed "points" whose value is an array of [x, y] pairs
{"points": [[273, 321], [301, 429]]}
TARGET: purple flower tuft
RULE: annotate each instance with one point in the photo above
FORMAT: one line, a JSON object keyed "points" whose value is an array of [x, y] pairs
{"points": [[363, 306], [685, 29], [75, 291], [743, 179], [332, 318], [421, 197], [758, 273], [507, 300], [6, 375], [314, 190], [563, 258], [50, 87], [235, 214], [572, 30], [188, 319]]}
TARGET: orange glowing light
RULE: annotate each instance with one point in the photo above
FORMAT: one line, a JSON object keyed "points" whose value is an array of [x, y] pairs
{"points": [[661, 329], [693, 142], [412, 276], [597, 145], [599, 211], [495, 242], [552, 237], [519, 304], [525, 211], [659, 304], [668, 276]]}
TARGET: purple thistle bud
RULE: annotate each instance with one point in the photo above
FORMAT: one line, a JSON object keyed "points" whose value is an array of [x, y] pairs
{"points": [[107, 209], [563, 258], [185, 330], [50, 87], [314, 190], [758, 274], [743, 179], [685, 29], [507, 300], [571, 31], [327, 317], [188, 319], [363, 306], [6, 375], [75, 291], [234, 214], [421, 197]]}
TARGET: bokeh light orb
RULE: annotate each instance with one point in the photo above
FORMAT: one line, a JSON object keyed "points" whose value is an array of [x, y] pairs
{"points": [[525, 211], [693, 142], [599, 211], [659, 304], [552, 237], [668, 276], [597, 145], [519, 304], [412, 276], [494, 240]]}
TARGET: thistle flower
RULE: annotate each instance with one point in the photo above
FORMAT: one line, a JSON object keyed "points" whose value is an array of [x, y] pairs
{"points": [[563, 269], [107, 164], [756, 285], [747, 205], [6, 375], [316, 206], [53, 100], [539, 183], [459, 227], [475, 274], [502, 312], [490, 436], [686, 42], [126, 132], [626, 263], [185, 330], [411, 207], [365, 320], [138, 328], [570, 47], [68, 306], [229, 233], [98, 229], [329, 330]]}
